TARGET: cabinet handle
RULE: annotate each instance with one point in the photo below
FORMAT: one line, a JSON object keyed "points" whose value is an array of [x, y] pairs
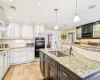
{"points": [[47, 59], [4, 55], [65, 74]]}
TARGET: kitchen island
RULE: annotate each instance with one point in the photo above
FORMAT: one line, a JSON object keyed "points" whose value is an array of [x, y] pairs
{"points": [[69, 67]]}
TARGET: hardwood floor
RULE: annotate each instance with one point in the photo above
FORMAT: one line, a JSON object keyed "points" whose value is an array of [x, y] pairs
{"points": [[29, 71]]}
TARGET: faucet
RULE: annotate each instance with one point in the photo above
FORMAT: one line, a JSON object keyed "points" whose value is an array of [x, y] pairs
{"points": [[70, 50], [55, 44]]}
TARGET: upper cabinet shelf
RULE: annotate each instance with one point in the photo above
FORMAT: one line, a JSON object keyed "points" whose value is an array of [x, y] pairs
{"points": [[88, 31], [96, 30]]}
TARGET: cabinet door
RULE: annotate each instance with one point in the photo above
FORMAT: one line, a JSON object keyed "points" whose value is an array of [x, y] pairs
{"points": [[1, 66], [79, 32], [9, 57], [39, 30], [52, 74], [13, 30], [17, 31], [15, 56], [46, 65], [5, 62], [27, 31], [96, 30], [10, 31], [42, 63], [31, 54]]}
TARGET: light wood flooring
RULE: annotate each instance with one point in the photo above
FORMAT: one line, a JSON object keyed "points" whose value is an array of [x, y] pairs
{"points": [[29, 71]]}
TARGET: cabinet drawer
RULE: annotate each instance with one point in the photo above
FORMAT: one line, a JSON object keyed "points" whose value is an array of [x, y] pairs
{"points": [[16, 55], [20, 60], [67, 73], [61, 77]]}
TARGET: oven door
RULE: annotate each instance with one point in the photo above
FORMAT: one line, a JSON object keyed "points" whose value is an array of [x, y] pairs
{"points": [[39, 44]]}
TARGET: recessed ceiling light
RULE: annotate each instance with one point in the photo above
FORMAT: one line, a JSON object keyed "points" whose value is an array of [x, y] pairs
{"points": [[38, 4], [10, 0], [14, 13], [26, 20]]}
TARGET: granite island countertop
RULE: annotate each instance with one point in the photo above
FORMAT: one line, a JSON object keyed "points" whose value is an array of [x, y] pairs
{"points": [[76, 63]]}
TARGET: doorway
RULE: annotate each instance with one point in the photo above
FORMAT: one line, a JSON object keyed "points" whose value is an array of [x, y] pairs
{"points": [[71, 37]]}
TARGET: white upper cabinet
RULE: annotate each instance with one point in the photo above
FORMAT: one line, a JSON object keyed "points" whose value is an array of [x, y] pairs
{"points": [[27, 31], [10, 31], [39, 30], [15, 30]]}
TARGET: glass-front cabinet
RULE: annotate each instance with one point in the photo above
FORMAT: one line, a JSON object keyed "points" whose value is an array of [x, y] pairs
{"points": [[79, 32], [96, 30]]}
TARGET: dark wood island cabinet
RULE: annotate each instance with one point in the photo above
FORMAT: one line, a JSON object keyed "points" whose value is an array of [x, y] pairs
{"points": [[53, 70]]}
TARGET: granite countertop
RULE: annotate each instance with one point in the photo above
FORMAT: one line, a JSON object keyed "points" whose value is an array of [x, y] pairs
{"points": [[2, 50], [76, 63], [88, 47]]}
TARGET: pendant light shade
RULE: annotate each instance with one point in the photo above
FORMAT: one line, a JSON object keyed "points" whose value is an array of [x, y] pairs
{"points": [[56, 26], [76, 18]]}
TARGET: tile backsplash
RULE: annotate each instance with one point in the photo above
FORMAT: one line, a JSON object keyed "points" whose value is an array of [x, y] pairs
{"points": [[87, 41], [16, 43]]}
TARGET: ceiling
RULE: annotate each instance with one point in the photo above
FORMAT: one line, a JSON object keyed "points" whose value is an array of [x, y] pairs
{"points": [[30, 11]]}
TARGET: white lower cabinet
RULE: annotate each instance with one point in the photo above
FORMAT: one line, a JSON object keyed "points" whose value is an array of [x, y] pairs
{"points": [[22, 55], [15, 56], [1, 66], [4, 64]]}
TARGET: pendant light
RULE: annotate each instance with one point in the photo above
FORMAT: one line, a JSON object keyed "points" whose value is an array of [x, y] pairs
{"points": [[76, 18], [56, 26]]}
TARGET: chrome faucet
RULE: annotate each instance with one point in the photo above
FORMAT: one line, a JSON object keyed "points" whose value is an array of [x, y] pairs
{"points": [[55, 44], [70, 50]]}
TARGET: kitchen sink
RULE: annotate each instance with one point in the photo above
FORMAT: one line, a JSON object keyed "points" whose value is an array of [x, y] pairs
{"points": [[58, 53]]}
